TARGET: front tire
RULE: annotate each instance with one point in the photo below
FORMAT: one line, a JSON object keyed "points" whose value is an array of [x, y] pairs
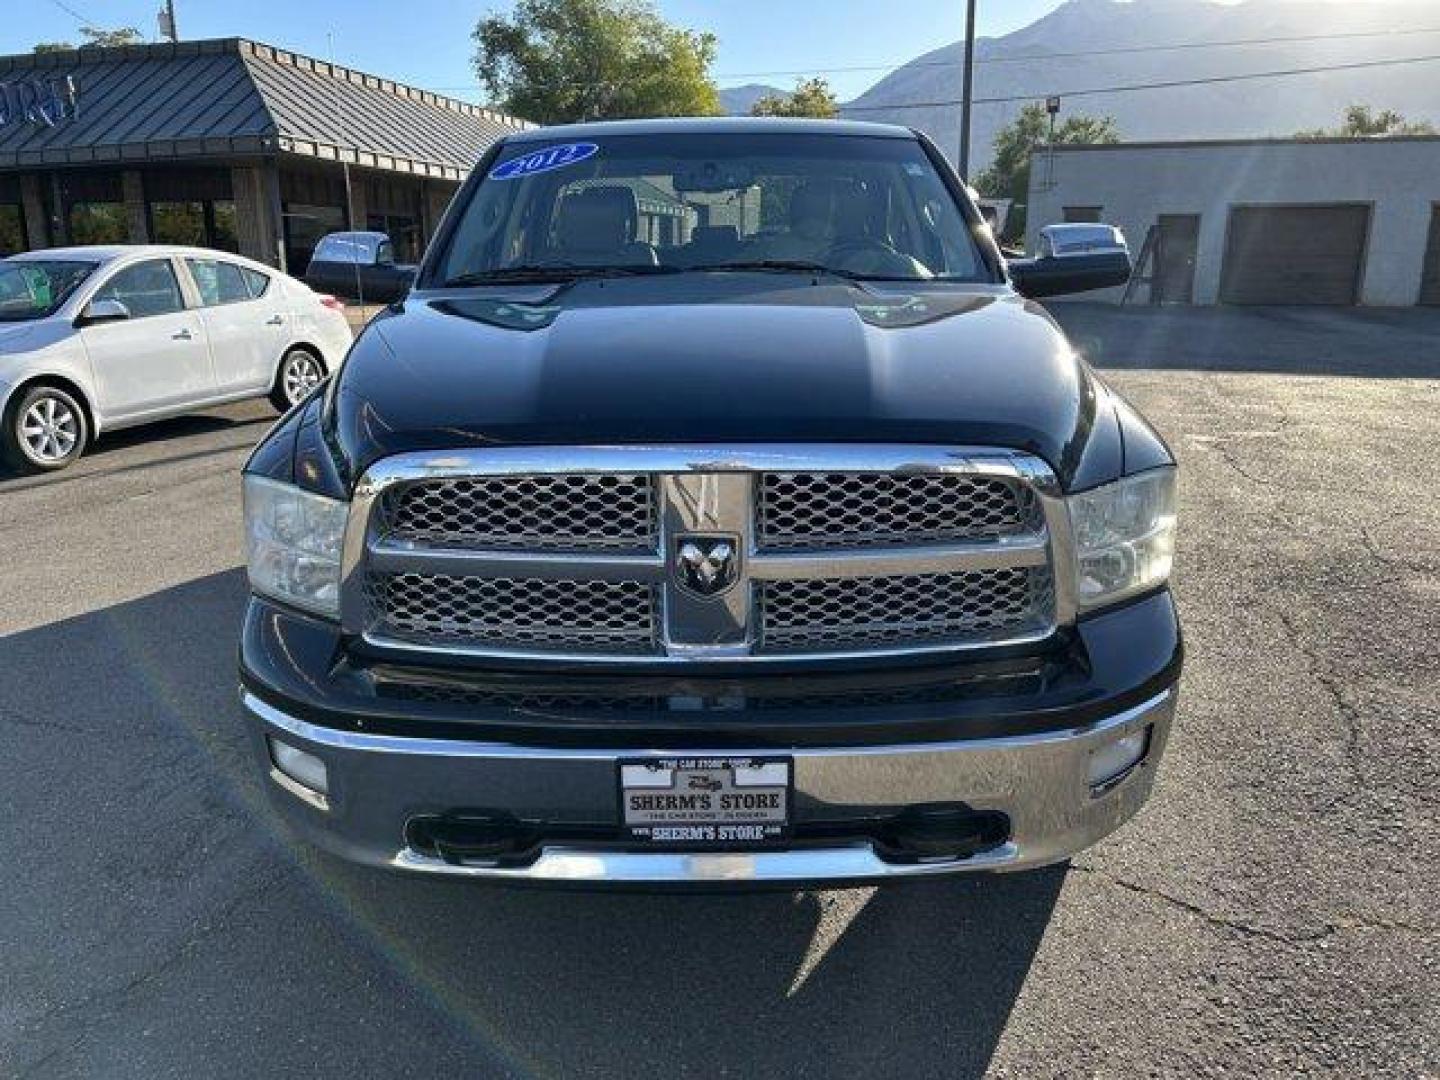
{"points": [[45, 430], [300, 372]]}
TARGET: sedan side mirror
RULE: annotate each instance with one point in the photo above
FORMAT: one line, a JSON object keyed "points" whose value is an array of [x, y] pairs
{"points": [[103, 311]]}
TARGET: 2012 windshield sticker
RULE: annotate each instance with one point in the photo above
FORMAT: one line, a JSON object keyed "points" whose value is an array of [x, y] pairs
{"points": [[538, 161]]}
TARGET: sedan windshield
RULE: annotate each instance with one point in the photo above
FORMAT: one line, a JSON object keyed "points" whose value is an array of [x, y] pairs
{"points": [[857, 206], [33, 289]]}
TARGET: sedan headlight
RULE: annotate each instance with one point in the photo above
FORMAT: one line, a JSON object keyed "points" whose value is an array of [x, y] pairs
{"points": [[1124, 535], [293, 541]]}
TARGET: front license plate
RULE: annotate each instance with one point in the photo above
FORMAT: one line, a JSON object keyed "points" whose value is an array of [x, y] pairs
{"points": [[709, 801]]}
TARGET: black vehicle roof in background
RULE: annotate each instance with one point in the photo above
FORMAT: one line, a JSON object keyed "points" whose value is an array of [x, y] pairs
{"points": [[712, 125]]}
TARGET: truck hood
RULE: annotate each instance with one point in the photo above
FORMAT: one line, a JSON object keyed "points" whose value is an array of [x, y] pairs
{"points": [[719, 359]]}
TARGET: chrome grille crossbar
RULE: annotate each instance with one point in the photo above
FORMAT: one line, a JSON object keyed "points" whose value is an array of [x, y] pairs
{"points": [[817, 577], [933, 558]]}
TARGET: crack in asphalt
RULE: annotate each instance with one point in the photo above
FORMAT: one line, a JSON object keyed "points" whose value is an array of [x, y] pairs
{"points": [[1330, 928], [16, 718], [1223, 922], [180, 952], [1346, 710], [1380, 556]]}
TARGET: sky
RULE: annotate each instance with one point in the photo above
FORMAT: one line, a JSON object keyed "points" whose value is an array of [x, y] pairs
{"points": [[427, 42]]}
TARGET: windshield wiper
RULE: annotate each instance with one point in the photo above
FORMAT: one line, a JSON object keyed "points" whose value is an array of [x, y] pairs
{"points": [[551, 272], [799, 266], [780, 266]]}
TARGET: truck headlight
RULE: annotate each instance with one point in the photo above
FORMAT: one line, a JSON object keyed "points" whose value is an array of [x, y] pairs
{"points": [[293, 540], [1124, 535]]}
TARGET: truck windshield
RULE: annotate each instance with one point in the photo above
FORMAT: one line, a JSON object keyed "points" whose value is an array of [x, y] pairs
{"points": [[859, 206], [33, 289]]}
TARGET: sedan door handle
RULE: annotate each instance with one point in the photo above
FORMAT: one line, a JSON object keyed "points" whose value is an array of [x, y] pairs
{"points": [[275, 320], [181, 335]]}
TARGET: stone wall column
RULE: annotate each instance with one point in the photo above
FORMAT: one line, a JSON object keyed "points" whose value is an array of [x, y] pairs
{"points": [[132, 187], [358, 212], [257, 212], [37, 218]]}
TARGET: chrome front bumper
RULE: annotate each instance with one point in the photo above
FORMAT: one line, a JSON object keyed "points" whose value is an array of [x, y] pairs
{"points": [[377, 783]]}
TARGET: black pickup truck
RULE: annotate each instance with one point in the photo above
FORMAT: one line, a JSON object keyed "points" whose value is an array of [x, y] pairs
{"points": [[718, 507], [358, 266]]}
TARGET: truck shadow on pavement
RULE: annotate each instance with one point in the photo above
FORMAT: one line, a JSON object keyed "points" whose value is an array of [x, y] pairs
{"points": [[184, 901]]}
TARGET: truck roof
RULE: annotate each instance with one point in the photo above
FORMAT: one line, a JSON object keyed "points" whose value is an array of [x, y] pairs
{"points": [[712, 125]]}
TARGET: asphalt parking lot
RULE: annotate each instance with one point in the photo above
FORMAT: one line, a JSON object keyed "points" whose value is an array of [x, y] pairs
{"points": [[1273, 911]]}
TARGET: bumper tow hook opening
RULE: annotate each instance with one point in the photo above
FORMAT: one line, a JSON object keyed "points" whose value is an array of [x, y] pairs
{"points": [[943, 833], [461, 839]]}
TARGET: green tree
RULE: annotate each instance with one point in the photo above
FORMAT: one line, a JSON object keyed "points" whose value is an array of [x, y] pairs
{"points": [[96, 38], [1363, 122], [811, 97], [555, 61], [1008, 176]]}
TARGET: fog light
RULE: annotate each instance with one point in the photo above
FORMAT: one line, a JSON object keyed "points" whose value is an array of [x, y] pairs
{"points": [[307, 770], [1110, 763]]}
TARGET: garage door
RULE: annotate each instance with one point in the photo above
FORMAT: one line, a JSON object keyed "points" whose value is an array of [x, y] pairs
{"points": [[1294, 254], [1430, 280]]}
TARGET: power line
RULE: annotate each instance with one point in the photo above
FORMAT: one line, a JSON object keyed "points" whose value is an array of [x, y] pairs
{"points": [[81, 19], [1093, 91], [1023, 58], [1118, 51]]}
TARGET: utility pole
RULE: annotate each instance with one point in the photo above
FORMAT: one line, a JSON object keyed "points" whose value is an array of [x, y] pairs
{"points": [[342, 152], [167, 21], [966, 94], [1052, 106]]}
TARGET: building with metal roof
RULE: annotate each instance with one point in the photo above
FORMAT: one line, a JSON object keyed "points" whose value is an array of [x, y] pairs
{"points": [[227, 143]]}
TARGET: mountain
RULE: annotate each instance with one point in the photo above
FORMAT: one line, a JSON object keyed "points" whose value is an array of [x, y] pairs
{"points": [[738, 100], [1026, 64]]}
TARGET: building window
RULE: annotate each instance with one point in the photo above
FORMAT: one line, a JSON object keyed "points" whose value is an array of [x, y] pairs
{"points": [[224, 234], [178, 223], [1083, 215], [404, 233], [12, 229], [98, 223], [305, 224], [208, 224]]}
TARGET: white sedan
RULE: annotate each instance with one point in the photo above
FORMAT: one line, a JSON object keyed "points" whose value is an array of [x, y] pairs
{"points": [[98, 338]]}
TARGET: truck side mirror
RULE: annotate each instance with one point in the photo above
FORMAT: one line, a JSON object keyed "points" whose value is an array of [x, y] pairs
{"points": [[1056, 275]]}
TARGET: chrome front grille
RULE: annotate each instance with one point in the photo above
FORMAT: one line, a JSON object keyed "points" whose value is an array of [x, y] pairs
{"points": [[580, 554], [514, 613], [976, 606], [563, 513], [831, 510]]}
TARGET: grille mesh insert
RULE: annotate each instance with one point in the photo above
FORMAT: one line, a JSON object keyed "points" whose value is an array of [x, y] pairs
{"points": [[972, 606], [516, 613], [574, 512], [813, 509]]}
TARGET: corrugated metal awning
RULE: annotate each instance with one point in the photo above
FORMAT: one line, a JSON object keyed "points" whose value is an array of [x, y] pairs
{"points": [[232, 97]]}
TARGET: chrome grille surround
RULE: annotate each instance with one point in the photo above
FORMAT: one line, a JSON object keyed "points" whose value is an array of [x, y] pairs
{"points": [[997, 574]]}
